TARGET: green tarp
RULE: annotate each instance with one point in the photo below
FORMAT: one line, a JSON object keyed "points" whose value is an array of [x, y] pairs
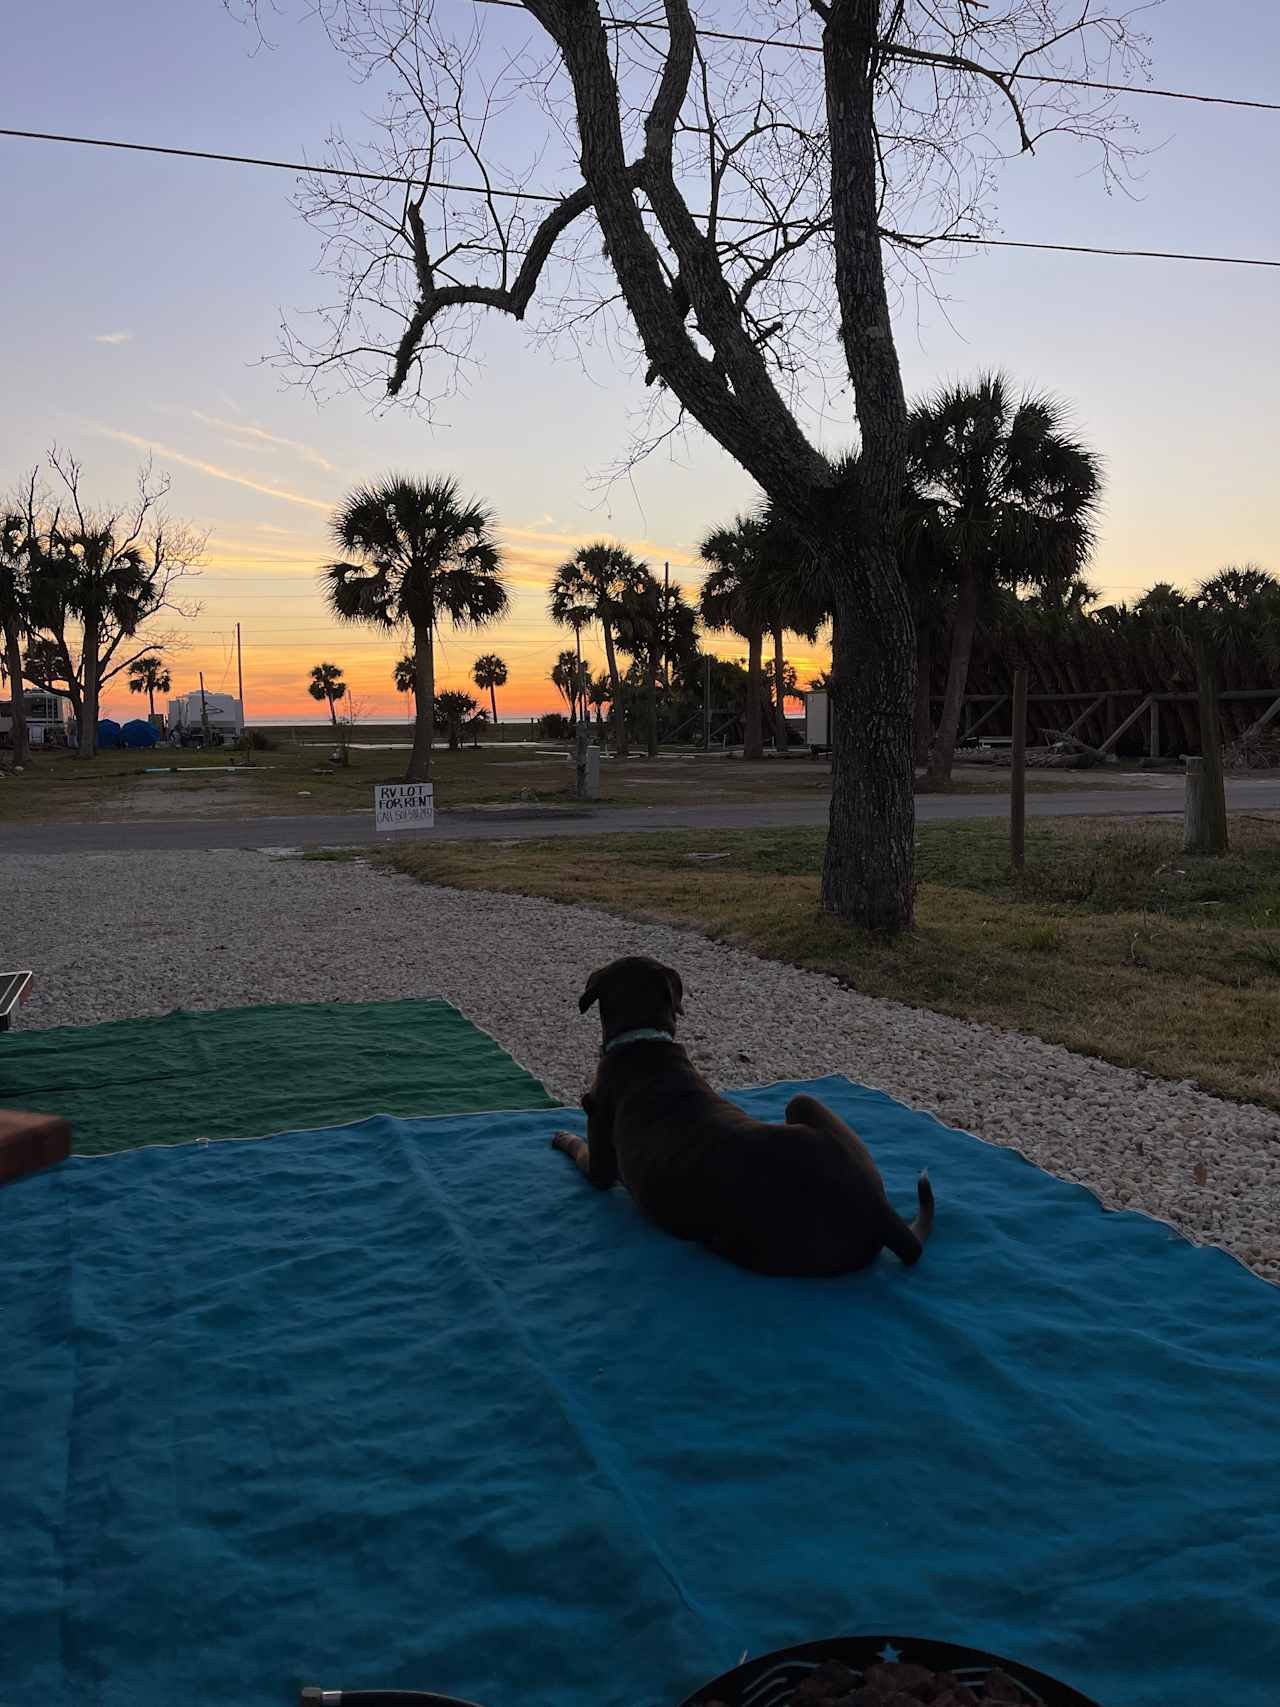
{"points": [[245, 1072]]}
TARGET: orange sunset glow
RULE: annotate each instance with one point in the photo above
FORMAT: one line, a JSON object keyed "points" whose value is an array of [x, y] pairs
{"points": [[271, 585]]}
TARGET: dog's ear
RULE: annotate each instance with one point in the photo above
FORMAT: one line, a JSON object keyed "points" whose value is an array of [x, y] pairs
{"points": [[592, 992], [677, 989]]}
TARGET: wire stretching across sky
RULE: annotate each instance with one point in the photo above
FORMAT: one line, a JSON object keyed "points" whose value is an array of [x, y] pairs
{"points": [[914, 239], [793, 45]]}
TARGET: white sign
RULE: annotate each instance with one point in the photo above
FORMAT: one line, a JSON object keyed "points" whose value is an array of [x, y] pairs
{"points": [[404, 806]]}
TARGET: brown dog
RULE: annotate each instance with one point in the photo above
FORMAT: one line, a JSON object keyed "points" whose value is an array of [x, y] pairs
{"points": [[804, 1198]]}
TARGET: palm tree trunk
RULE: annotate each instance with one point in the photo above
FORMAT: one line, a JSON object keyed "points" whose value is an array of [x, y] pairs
{"points": [[13, 664], [780, 740], [962, 631], [578, 704], [653, 700], [617, 711], [151, 702], [87, 726], [923, 721], [333, 714], [424, 709], [493, 703], [753, 735]]}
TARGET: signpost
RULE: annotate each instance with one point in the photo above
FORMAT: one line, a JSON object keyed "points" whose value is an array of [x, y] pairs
{"points": [[404, 806]]}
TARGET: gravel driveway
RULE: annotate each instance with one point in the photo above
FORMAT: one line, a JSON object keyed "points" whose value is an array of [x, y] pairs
{"points": [[112, 935]]}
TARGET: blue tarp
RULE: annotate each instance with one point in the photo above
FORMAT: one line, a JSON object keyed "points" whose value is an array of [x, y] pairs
{"points": [[108, 733], [406, 1403], [138, 733]]}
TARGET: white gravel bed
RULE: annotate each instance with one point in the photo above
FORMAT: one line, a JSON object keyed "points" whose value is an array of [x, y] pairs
{"points": [[113, 935]]}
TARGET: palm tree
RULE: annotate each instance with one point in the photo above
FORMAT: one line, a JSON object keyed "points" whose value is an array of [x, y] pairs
{"points": [[590, 587], [452, 708], [795, 598], [598, 692], [571, 606], [489, 671], [405, 673], [567, 680], [327, 684], [639, 626], [422, 553], [148, 675], [732, 599], [1013, 497]]}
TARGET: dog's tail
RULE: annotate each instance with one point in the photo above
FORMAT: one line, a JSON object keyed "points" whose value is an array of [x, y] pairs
{"points": [[906, 1241]]}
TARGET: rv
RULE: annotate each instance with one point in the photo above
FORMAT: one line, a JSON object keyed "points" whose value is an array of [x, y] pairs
{"points": [[47, 719], [205, 719]]}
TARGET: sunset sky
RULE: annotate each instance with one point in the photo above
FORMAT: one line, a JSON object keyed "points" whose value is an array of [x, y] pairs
{"points": [[141, 293]]}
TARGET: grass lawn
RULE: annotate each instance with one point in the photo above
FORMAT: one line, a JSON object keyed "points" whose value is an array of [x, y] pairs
{"points": [[297, 779], [1113, 942]]}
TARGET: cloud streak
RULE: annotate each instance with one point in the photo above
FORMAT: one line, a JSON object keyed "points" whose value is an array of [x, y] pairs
{"points": [[113, 337], [260, 436], [212, 469]]}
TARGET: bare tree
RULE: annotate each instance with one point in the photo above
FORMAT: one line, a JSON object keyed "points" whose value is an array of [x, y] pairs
{"points": [[98, 577], [738, 206]]}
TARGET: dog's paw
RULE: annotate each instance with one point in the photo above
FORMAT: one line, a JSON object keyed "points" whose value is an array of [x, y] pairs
{"points": [[566, 1141]]}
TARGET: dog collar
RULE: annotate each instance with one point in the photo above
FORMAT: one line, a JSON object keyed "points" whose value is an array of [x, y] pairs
{"points": [[644, 1034]]}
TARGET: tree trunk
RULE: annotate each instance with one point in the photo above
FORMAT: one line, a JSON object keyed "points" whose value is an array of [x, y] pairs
{"points": [[87, 723], [781, 741], [867, 868], [962, 630], [578, 705], [617, 711], [923, 736], [151, 703], [333, 710], [493, 703], [13, 664], [652, 693], [1205, 830], [753, 735], [424, 710]]}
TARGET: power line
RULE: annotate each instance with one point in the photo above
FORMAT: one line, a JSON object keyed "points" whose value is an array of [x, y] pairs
{"points": [[909, 239], [919, 57]]}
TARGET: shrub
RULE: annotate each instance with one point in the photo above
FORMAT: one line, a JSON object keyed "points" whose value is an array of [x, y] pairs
{"points": [[554, 726]]}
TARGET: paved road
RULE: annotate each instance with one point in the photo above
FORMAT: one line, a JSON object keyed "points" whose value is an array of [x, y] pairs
{"points": [[347, 828]]}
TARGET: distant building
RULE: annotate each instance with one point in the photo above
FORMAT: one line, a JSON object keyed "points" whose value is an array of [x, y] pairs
{"points": [[48, 718]]}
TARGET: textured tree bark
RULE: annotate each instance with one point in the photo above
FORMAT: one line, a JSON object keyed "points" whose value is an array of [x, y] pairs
{"points": [[962, 631], [1205, 820], [424, 709], [87, 720], [867, 867], [781, 741], [13, 664]]}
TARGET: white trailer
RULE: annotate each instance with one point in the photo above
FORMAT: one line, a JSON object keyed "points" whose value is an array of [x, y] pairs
{"points": [[194, 713], [48, 715], [817, 721]]}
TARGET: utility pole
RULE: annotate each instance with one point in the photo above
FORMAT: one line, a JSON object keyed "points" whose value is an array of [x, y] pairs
{"points": [[240, 674], [706, 705], [204, 712]]}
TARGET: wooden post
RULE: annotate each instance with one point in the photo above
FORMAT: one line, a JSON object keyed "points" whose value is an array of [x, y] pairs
{"points": [[1153, 734], [1018, 774], [1205, 807], [706, 706]]}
